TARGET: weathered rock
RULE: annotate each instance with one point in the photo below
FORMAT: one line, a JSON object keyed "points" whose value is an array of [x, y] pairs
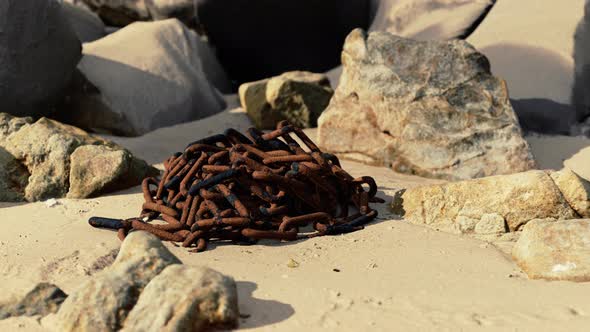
{"points": [[429, 19], [38, 52], [247, 34], [40, 153], [149, 75], [490, 223], [579, 163], [299, 97], [42, 300], [119, 12], [517, 198], [555, 250], [96, 169], [185, 298], [14, 177], [427, 108], [103, 302], [575, 190], [86, 24]]}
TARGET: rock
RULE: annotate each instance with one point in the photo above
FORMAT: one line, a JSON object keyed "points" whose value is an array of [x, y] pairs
{"points": [[579, 163], [36, 45], [185, 298], [555, 250], [119, 12], [491, 223], [428, 19], [42, 300], [530, 50], [103, 302], [40, 152], [575, 189], [86, 24], [581, 54], [516, 198], [149, 75], [310, 34], [427, 108], [183, 10], [14, 177], [98, 168], [299, 97]]}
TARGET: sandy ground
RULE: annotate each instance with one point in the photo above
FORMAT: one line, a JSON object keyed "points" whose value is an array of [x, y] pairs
{"points": [[391, 276]]}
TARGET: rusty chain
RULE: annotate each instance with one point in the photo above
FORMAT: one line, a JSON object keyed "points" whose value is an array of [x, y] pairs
{"points": [[232, 187]]}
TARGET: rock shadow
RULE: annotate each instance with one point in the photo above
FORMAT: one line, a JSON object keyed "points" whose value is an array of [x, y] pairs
{"points": [[544, 116], [257, 312], [531, 71]]}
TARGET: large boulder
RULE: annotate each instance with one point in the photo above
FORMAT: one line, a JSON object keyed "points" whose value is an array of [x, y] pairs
{"points": [[183, 10], [148, 75], [579, 163], [39, 164], [429, 108], [185, 298], [531, 45], [429, 19], [581, 52], [460, 207], [555, 250], [103, 302], [299, 97], [39, 52], [257, 39], [86, 24]]}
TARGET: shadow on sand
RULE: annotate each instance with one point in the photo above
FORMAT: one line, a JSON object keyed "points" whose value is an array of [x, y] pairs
{"points": [[257, 312]]}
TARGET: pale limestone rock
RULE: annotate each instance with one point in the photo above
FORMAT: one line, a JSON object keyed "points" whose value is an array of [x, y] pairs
{"points": [[185, 298], [575, 190], [96, 169], [491, 223], [427, 108], [517, 198], [103, 302], [555, 250]]}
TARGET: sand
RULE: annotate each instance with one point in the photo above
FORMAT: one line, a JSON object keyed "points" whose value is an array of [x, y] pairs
{"points": [[391, 276]]}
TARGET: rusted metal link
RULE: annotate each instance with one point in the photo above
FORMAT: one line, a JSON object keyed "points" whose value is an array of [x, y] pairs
{"points": [[243, 188]]}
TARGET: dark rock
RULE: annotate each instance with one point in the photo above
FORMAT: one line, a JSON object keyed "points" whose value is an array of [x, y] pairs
{"points": [[39, 52], [86, 24], [119, 12]]}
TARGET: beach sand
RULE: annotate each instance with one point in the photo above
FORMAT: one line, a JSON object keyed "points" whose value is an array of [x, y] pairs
{"points": [[391, 276]]}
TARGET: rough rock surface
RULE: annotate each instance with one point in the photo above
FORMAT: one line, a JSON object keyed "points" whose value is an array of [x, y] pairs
{"points": [[119, 12], [42, 300], [86, 24], [297, 96], [41, 152], [579, 163], [185, 298], [428, 108], [95, 169], [517, 198], [555, 250], [429, 19], [575, 190], [149, 75], [103, 302], [37, 45]]}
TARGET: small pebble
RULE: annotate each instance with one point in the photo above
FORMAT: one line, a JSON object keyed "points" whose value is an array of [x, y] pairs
{"points": [[293, 263], [336, 270]]}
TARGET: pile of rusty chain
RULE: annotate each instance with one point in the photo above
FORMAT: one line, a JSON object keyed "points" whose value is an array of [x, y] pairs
{"points": [[231, 187]]}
